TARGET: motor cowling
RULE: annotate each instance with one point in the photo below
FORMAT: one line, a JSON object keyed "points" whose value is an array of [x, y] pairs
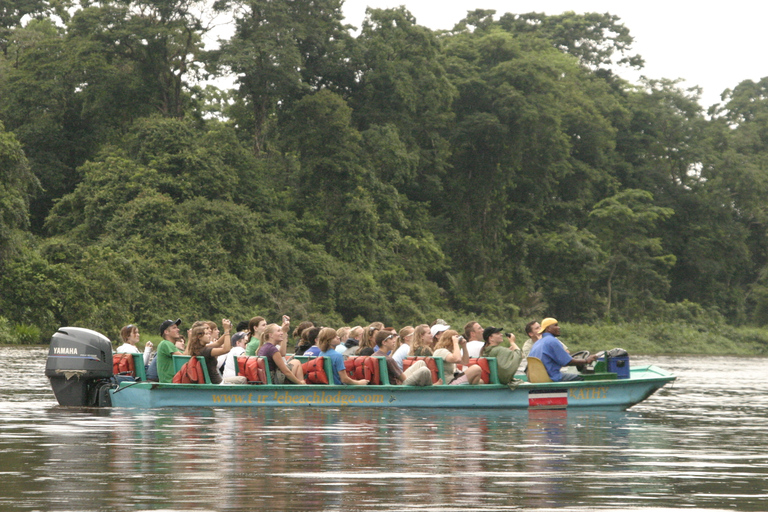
{"points": [[79, 364]]}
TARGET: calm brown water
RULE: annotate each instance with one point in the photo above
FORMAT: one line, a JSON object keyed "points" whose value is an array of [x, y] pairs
{"points": [[700, 444]]}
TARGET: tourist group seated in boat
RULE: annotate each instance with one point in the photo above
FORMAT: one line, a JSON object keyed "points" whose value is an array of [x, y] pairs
{"points": [[408, 356]]}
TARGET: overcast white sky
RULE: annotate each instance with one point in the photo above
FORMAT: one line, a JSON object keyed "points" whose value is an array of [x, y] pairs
{"points": [[712, 45]]}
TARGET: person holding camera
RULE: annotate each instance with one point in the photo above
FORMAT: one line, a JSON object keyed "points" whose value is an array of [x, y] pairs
{"points": [[201, 344], [453, 349], [507, 359]]}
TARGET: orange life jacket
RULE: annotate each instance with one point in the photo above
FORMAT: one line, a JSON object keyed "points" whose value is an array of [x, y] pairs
{"points": [[314, 371], [190, 373], [364, 367], [482, 362], [122, 364], [253, 369], [429, 361]]}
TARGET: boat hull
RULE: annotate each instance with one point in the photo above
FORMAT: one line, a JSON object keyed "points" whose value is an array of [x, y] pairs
{"points": [[598, 394]]}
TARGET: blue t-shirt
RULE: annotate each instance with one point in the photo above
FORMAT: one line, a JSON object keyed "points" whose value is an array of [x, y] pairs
{"points": [[552, 354], [312, 351], [337, 362]]}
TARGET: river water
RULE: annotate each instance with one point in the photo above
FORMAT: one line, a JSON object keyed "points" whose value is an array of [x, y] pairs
{"points": [[701, 443]]}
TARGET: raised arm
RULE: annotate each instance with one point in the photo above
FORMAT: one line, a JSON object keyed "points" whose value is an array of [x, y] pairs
{"points": [[464, 351], [286, 327], [512, 344], [225, 342], [456, 355], [147, 352]]}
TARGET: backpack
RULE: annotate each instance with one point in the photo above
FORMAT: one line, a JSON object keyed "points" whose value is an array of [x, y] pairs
{"points": [[190, 373]]}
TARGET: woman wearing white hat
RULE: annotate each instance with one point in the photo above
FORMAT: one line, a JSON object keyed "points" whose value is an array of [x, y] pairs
{"points": [[437, 330]]}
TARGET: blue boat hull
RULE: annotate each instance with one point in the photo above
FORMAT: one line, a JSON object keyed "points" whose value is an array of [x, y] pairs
{"points": [[599, 394]]}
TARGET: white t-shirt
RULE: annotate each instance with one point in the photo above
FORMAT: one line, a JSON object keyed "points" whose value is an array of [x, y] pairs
{"points": [[400, 354], [127, 348], [229, 361], [474, 348]]}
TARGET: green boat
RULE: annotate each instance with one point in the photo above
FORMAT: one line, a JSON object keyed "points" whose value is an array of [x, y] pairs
{"points": [[81, 370]]}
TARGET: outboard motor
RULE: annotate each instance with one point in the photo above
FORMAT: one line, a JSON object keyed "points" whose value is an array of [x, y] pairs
{"points": [[79, 367]]}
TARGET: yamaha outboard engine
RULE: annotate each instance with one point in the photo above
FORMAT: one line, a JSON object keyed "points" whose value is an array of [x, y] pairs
{"points": [[79, 367]]}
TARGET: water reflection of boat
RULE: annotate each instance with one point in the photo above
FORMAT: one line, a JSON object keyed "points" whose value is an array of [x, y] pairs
{"points": [[80, 368]]}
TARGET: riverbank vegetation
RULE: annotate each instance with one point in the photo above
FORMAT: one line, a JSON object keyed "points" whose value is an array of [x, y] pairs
{"points": [[500, 170]]}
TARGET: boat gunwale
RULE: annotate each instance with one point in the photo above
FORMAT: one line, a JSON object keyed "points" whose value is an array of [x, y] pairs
{"points": [[663, 377]]}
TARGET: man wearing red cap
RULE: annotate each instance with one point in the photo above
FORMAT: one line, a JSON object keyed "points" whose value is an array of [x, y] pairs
{"points": [[550, 351]]}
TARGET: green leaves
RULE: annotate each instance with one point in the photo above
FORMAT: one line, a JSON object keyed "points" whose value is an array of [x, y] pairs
{"points": [[18, 184], [499, 169], [636, 260]]}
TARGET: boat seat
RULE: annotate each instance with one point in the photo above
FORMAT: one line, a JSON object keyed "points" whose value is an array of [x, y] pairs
{"points": [[123, 364], [366, 367], [253, 368], [317, 370], [129, 364], [435, 365], [179, 361], [141, 370], [489, 366], [536, 371]]}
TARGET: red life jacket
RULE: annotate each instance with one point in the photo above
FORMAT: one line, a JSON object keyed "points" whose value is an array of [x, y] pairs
{"points": [[429, 361], [122, 364], [484, 365], [314, 371], [363, 367], [190, 373], [253, 369]]}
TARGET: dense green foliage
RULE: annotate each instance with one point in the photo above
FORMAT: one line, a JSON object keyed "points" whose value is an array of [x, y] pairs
{"points": [[500, 170]]}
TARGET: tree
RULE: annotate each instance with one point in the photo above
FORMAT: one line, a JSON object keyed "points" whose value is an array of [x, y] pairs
{"points": [[281, 51], [13, 12], [636, 260], [153, 47], [403, 85], [70, 89], [38, 104], [18, 184], [533, 145], [730, 272], [566, 262], [592, 37]]}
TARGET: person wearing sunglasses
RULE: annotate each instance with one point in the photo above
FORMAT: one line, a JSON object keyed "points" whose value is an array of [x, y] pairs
{"points": [[416, 375]]}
